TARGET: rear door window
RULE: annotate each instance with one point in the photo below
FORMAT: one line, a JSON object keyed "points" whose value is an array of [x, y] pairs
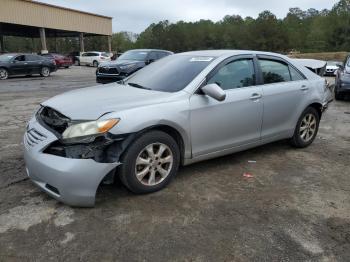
{"points": [[274, 71], [32, 58]]}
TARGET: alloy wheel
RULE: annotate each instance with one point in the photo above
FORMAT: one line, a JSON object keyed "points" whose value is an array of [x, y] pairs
{"points": [[45, 71], [154, 164], [3, 74], [308, 127]]}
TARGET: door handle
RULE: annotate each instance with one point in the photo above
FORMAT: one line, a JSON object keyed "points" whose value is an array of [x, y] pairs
{"points": [[304, 88], [255, 96]]}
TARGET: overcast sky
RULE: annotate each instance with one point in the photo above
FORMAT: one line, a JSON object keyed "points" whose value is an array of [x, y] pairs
{"points": [[137, 15]]}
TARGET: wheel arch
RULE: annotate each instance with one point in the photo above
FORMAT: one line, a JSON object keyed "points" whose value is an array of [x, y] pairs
{"points": [[173, 132], [7, 69], [318, 107]]}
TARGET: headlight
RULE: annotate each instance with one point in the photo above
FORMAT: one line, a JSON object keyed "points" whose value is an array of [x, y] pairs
{"points": [[125, 67], [89, 128]]}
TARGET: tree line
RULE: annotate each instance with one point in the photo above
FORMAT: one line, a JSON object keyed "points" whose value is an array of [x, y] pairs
{"points": [[302, 30]]}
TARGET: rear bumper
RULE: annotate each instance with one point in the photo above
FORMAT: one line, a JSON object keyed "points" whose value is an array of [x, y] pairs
{"points": [[71, 181]]}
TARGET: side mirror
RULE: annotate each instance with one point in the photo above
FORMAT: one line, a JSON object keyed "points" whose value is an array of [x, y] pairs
{"points": [[214, 91], [149, 61]]}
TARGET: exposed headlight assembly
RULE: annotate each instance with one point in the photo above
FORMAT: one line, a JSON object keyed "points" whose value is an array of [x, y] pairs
{"points": [[87, 131]]}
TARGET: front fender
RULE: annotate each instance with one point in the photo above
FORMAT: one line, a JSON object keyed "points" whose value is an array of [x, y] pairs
{"points": [[173, 114]]}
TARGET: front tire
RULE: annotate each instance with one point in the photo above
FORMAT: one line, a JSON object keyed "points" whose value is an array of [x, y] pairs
{"points": [[150, 162], [4, 74], [306, 129], [45, 71], [95, 64]]}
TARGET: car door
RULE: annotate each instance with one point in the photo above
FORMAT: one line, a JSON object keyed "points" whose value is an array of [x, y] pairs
{"points": [[19, 65], [285, 92], [84, 58], [93, 57], [236, 121], [33, 64]]}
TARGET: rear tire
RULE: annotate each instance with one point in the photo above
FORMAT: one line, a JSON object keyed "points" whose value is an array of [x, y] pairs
{"points": [[4, 74], [306, 129], [45, 71], [150, 162]]}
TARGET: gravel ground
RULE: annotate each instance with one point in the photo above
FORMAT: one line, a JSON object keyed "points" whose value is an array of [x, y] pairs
{"points": [[295, 208]]}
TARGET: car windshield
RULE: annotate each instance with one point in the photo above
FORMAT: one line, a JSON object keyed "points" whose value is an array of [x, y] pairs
{"points": [[6, 58], [134, 55], [170, 74]]}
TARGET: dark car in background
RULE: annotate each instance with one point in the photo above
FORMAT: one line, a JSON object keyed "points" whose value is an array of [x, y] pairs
{"points": [[61, 60], [342, 80], [25, 64], [127, 64]]}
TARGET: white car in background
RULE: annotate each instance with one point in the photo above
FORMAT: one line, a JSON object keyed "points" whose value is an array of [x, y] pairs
{"points": [[331, 68], [93, 58]]}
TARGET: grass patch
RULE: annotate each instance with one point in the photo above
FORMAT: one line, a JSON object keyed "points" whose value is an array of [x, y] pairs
{"points": [[327, 56]]}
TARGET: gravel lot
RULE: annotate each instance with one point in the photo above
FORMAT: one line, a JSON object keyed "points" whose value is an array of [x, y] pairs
{"points": [[295, 208]]}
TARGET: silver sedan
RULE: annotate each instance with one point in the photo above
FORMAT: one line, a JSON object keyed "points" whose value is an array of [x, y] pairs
{"points": [[179, 110]]}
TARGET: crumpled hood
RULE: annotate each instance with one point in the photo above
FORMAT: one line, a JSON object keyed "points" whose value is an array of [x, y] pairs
{"points": [[93, 102]]}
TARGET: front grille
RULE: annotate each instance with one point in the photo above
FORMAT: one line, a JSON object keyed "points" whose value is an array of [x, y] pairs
{"points": [[34, 137], [108, 70], [53, 119]]}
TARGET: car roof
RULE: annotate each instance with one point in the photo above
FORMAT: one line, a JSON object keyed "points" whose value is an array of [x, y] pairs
{"points": [[218, 53], [150, 50]]}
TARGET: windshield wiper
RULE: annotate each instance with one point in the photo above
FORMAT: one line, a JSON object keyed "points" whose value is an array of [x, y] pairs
{"points": [[138, 86]]}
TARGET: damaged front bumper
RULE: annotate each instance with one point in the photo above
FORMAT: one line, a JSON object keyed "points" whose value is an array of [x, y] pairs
{"points": [[71, 181]]}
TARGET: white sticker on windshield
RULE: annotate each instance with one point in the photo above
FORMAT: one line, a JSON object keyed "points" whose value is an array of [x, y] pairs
{"points": [[201, 59]]}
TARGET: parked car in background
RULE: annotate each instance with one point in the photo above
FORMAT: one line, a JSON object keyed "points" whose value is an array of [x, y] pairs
{"points": [[316, 66], [182, 109], [25, 64], [61, 60], [93, 58], [342, 80], [74, 56], [331, 68], [127, 64]]}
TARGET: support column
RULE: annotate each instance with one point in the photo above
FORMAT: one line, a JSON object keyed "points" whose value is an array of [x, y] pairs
{"points": [[109, 38], [43, 41], [2, 43], [81, 42]]}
